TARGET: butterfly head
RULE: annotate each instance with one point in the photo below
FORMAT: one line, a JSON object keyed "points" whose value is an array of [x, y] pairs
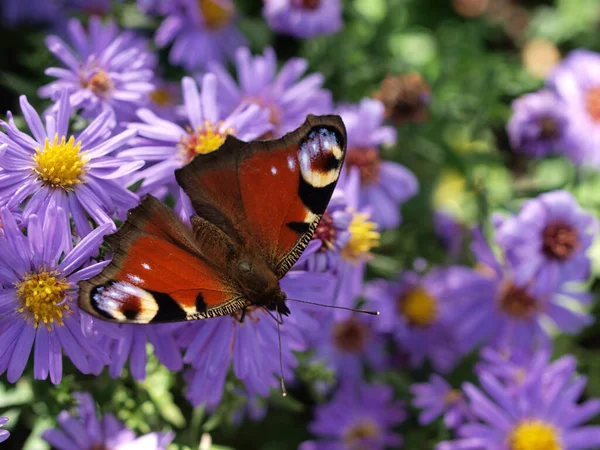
{"points": [[261, 285]]}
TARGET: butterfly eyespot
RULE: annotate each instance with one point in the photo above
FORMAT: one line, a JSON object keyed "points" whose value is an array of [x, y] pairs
{"points": [[320, 157], [245, 267]]}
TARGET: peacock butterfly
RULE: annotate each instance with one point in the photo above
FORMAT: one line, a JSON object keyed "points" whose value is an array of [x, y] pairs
{"points": [[257, 206]]}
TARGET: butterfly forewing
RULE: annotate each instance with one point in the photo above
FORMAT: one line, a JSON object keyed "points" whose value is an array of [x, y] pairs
{"points": [[270, 195]]}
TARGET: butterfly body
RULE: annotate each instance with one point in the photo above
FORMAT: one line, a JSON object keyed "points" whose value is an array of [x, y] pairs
{"points": [[257, 205]]}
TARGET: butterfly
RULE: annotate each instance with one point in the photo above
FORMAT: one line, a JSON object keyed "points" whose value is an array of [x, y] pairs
{"points": [[257, 206]]}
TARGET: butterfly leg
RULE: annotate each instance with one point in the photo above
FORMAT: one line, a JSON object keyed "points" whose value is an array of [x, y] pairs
{"points": [[243, 315]]}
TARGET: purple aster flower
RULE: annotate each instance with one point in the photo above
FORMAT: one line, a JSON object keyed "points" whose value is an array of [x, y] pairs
{"points": [[39, 273], [57, 169], [106, 69], [250, 347], [538, 126], [288, 97], [87, 431], [167, 146], [544, 414], [130, 344], [437, 398], [425, 313], [513, 366], [3, 433], [358, 416], [576, 81], [548, 239], [331, 235], [508, 314], [347, 345], [201, 31], [356, 252], [384, 184], [304, 18]]}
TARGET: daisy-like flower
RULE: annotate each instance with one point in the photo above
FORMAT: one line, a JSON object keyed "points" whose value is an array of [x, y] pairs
{"points": [[304, 18], [544, 414], [384, 184], [539, 125], [58, 169], [437, 398], [508, 314], [288, 97], [348, 344], [250, 347], [548, 239], [87, 431], [512, 366], [425, 314], [130, 345], [39, 273], [576, 81], [356, 252], [3, 433], [358, 416], [167, 146], [105, 69], [331, 235], [201, 31]]}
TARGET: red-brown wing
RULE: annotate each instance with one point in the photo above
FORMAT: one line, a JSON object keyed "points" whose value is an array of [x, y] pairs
{"points": [[159, 273], [270, 195]]}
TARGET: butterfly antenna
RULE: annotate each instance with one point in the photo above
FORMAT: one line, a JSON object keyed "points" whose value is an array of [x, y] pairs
{"points": [[281, 379], [365, 311], [279, 322]]}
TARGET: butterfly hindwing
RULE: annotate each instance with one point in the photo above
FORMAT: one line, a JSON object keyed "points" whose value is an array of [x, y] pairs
{"points": [[270, 194], [159, 273]]}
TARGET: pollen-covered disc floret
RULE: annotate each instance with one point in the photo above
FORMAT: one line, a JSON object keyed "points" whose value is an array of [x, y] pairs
{"points": [[418, 307], [99, 82], [363, 238], [43, 294], [216, 14], [61, 163], [534, 435], [204, 139]]}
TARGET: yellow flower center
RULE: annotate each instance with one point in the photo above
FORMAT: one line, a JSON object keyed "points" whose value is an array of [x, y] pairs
{"points": [[206, 139], [534, 435], [100, 83], [453, 396], [61, 164], [418, 307], [161, 97], [216, 13], [355, 436], [363, 237], [517, 302], [42, 295], [350, 336]]}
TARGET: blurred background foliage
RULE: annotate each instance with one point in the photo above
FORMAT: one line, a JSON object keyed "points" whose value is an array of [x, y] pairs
{"points": [[475, 63]]}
